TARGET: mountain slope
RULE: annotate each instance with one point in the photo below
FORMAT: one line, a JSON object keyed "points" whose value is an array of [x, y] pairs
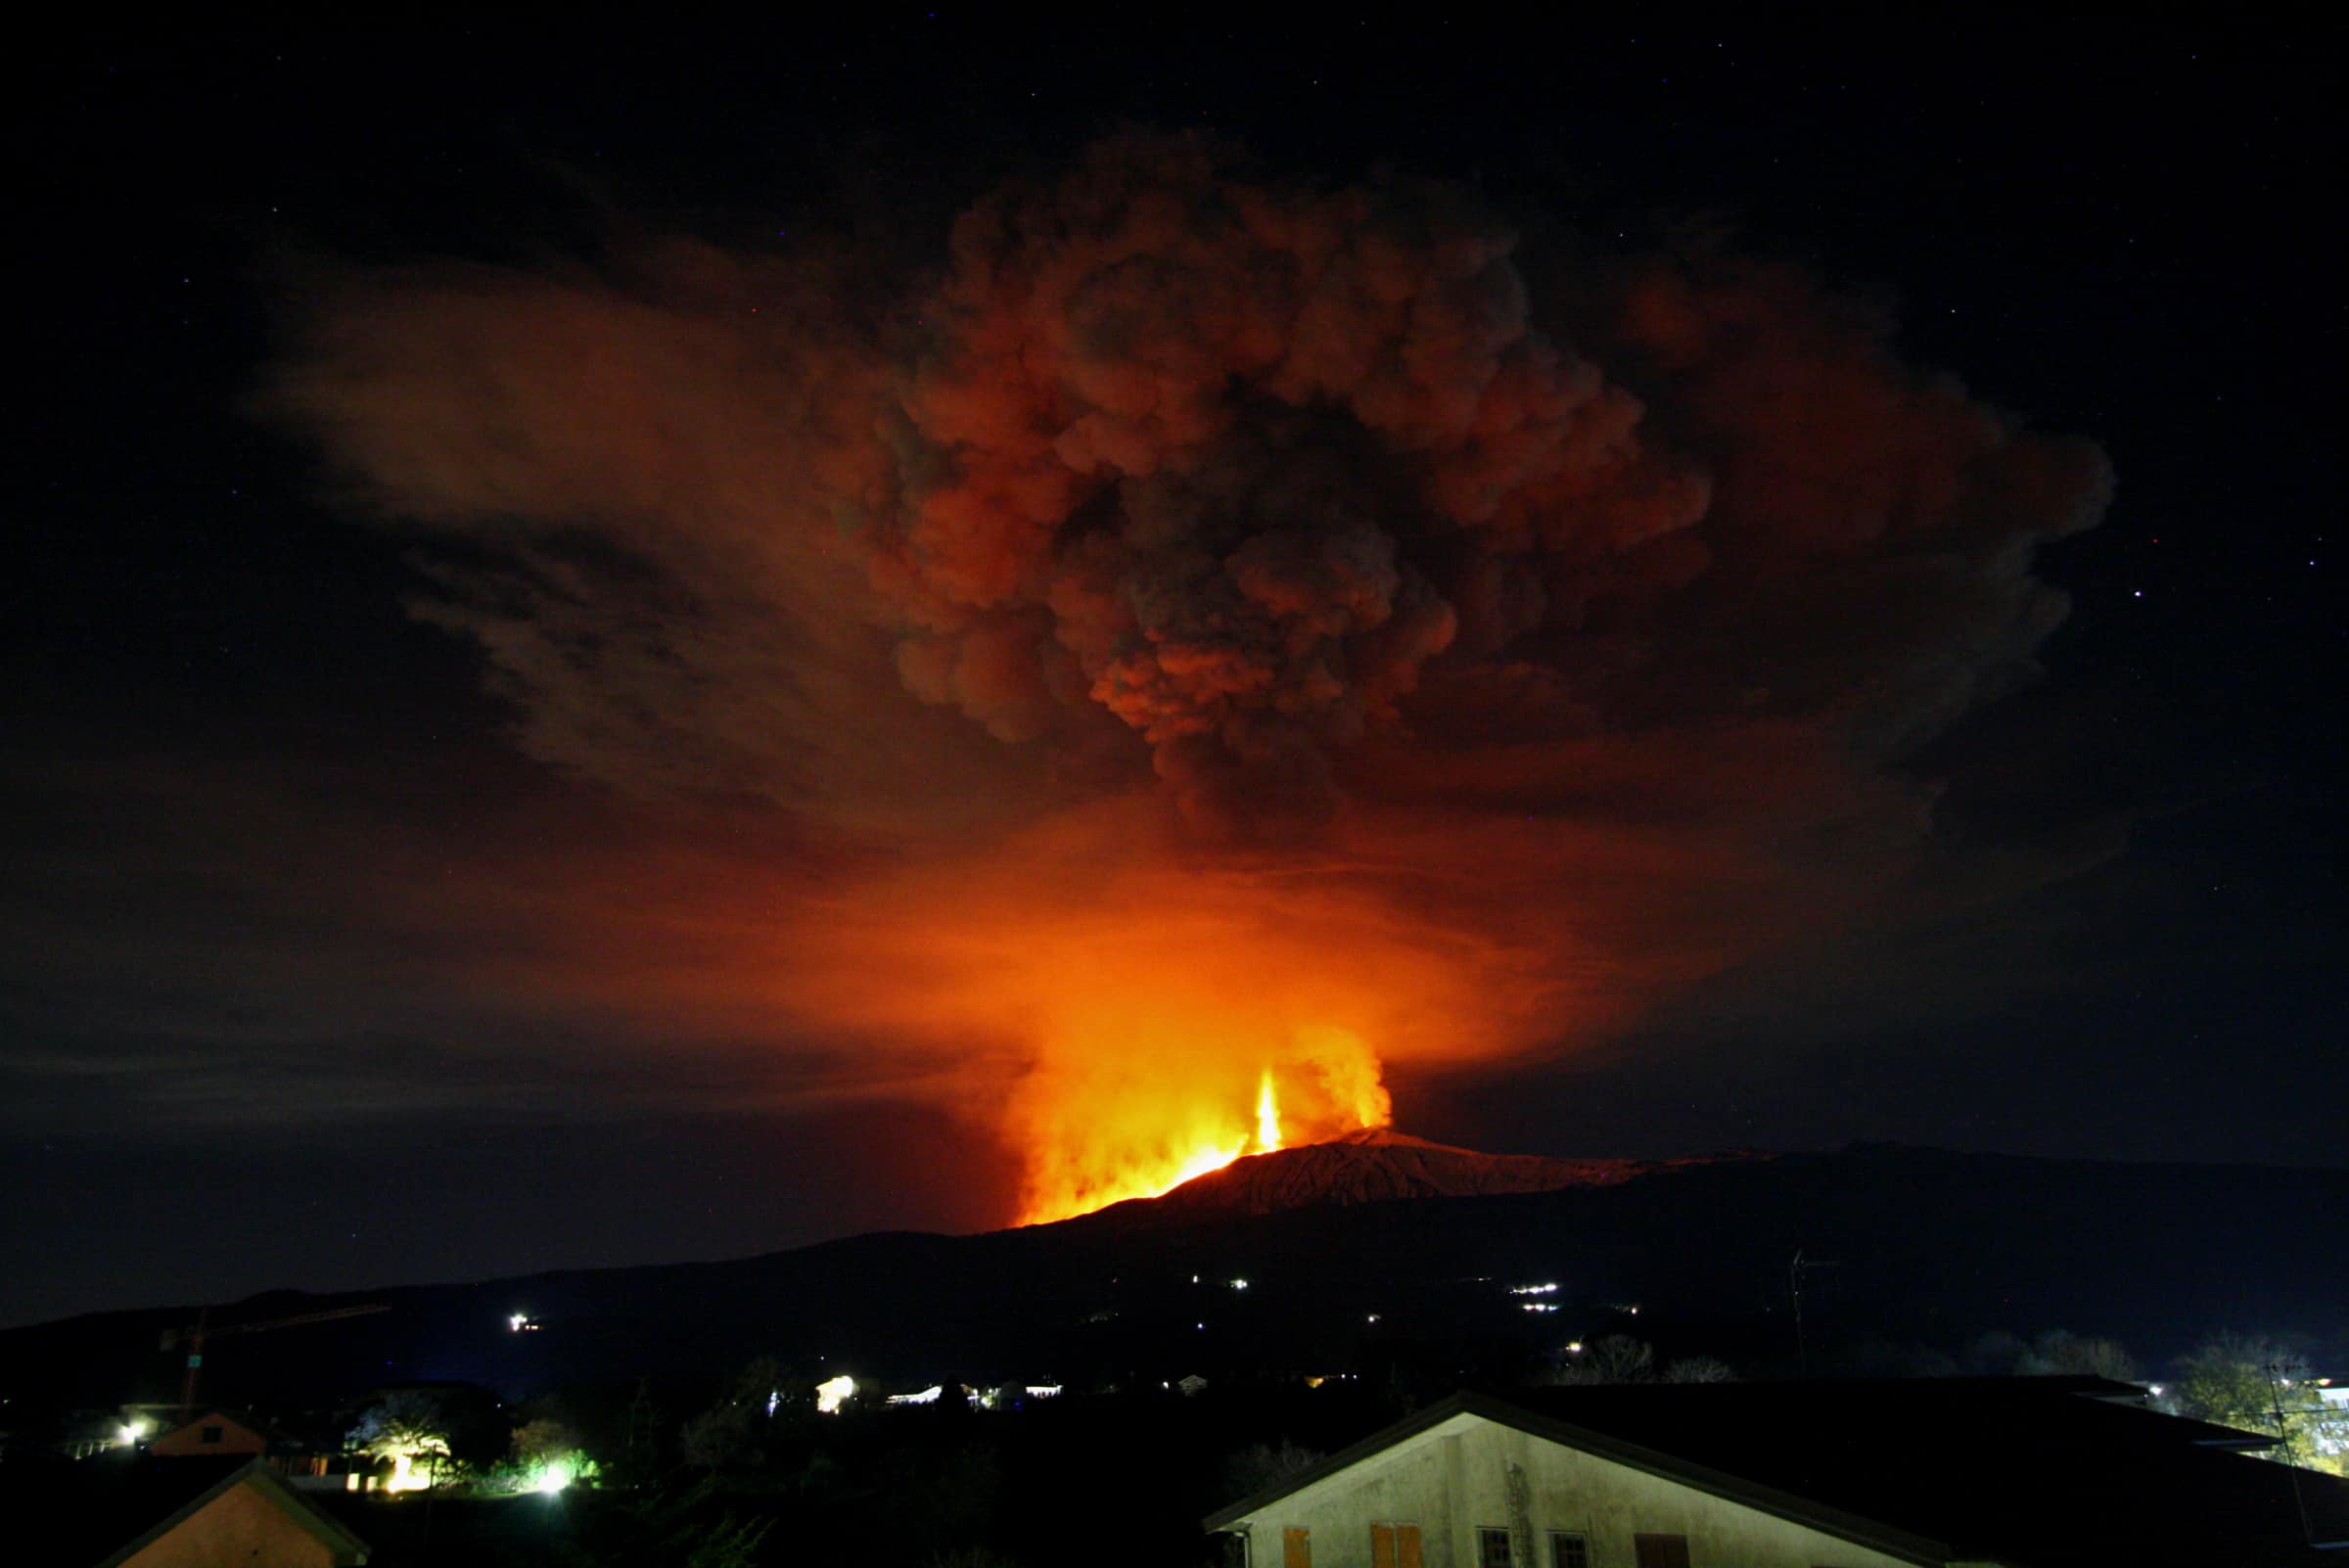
{"points": [[1910, 1247], [1377, 1165]]}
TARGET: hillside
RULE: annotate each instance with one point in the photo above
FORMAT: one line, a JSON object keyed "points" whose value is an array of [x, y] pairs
{"points": [[1914, 1247]]}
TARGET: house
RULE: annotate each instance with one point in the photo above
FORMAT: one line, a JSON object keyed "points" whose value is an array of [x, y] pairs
{"points": [[167, 1513], [1951, 1473], [215, 1432], [309, 1465]]}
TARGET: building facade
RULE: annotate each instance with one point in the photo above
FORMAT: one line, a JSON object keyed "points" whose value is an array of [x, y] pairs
{"points": [[1474, 1492]]}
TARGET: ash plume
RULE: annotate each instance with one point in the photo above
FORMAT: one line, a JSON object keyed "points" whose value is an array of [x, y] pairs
{"points": [[1260, 585]]}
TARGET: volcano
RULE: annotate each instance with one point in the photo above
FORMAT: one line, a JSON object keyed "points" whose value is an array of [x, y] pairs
{"points": [[1377, 1165]]}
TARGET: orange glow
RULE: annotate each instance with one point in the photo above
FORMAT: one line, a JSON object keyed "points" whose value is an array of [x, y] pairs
{"points": [[1128, 1018]]}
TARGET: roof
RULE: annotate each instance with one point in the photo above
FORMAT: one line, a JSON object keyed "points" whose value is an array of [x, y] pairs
{"points": [[259, 1426], [2056, 1471], [254, 1473], [80, 1514]]}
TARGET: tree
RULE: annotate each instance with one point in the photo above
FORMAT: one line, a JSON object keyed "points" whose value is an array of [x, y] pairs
{"points": [[1257, 1465], [1616, 1358], [1699, 1369], [408, 1428], [666, 1526], [732, 1432], [548, 1456], [2261, 1384]]}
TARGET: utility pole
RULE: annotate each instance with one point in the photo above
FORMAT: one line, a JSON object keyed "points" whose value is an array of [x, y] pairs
{"points": [[2284, 1438], [1794, 1289], [195, 1334]]}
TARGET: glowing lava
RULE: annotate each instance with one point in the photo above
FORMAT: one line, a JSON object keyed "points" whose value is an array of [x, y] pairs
{"points": [[1143, 1145]]}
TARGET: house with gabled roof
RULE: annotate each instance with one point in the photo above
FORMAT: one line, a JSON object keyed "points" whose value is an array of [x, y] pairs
{"points": [[1950, 1473], [217, 1432], [167, 1513]]}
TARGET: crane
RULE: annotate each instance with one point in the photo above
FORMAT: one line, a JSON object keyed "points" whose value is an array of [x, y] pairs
{"points": [[195, 1334]]}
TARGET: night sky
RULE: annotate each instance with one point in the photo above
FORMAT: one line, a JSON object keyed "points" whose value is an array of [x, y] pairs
{"points": [[368, 921]]}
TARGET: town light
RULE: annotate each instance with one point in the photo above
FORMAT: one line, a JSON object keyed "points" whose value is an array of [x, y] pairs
{"points": [[834, 1392]]}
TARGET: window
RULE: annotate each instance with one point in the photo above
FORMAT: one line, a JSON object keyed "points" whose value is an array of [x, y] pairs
{"points": [[210, 1434], [1569, 1548], [1395, 1546], [1296, 1548], [1660, 1551], [1491, 1547]]}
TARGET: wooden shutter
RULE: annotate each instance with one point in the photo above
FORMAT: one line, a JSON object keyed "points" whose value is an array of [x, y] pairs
{"points": [[1407, 1546], [1296, 1548], [1382, 1546], [1660, 1551]]}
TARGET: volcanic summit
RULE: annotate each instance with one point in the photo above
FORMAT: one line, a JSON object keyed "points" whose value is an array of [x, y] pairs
{"points": [[1377, 1165]]}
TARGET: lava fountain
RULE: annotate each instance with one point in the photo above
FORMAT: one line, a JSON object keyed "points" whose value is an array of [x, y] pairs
{"points": [[1102, 1140]]}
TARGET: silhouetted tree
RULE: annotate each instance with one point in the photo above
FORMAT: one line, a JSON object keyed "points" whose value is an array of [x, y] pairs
{"points": [[1699, 1369], [731, 1433], [2261, 1384], [2058, 1353], [1260, 1464], [1616, 1358]]}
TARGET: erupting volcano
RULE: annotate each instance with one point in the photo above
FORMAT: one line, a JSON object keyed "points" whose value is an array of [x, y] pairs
{"points": [[1199, 635]]}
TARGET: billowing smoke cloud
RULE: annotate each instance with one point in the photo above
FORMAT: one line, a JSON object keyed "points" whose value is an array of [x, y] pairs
{"points": [[1209, 611]]}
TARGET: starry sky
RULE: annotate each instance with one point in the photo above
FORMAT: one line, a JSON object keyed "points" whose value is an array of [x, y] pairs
{"points": [[294, 991]]}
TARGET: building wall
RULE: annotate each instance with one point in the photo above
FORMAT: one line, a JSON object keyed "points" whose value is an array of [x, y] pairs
{"points": [[1468, 1473], [240, 1526]]}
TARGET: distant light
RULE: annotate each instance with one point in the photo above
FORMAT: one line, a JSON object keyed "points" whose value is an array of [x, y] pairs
{"points": [[554, 1478], [517, 1322], [928, 1396], [1546, 1289], [130, 1435], [1538, 1306], [1041, 1391], [2156, 1390], [1372, 1319], [775, 1397], [1574, 1347], [1239, 1284], [834, 1392]]}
